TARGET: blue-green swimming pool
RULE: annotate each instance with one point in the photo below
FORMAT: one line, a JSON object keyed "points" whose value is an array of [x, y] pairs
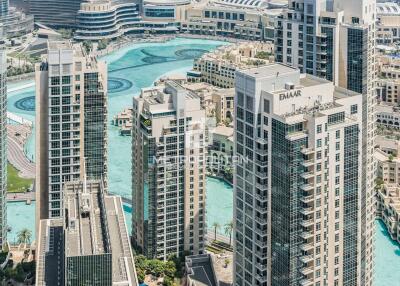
{"points": [[131, 69]]}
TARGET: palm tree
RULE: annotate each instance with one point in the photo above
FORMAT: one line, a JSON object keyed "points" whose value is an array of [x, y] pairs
{"points": [[228, 231], [215, 226], [24, 236]]}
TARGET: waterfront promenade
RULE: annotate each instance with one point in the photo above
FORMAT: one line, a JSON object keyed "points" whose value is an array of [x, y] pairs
{"points": [[17, 136]]}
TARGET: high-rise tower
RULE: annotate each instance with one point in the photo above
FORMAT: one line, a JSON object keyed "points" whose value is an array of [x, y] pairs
{"points": [[71, 104], [299, 188], [3, 142], [336, 40], [168, 172]]}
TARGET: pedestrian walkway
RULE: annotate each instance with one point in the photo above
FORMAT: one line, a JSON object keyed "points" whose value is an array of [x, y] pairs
{"points": [[17, 136]]}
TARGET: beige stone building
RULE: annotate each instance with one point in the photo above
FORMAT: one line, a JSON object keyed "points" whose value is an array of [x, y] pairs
{"points": [[388, 23], [220, 151], [250, 20], [388, 79], [219, 67], [168, 171]]}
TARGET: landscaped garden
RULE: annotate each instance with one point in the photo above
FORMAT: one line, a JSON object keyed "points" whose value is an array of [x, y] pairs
{"points": [[16, 184]]}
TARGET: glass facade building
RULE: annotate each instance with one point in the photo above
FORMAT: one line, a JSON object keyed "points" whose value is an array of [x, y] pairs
{"points": [[107, 20], [55, 13], [72, 103], [4, 5], [335, 40], [299, 182]]}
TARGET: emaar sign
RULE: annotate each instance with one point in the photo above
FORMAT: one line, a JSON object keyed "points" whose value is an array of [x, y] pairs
{"points": [[289, 94]]}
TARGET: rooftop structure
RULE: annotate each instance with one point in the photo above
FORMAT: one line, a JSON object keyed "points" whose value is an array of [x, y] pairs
{"points": [[200, 271], [250, 20], [388, 24], [90, 244], [218, 67]]}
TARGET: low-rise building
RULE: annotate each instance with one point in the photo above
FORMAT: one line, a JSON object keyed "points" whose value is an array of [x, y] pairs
{"points": [[200, 271], [16, 23], [388, 81], [90, 244], [388, 209], [220, 152], [388, 23], [107, 19], [387, 155], [250, 20], [388, 116], [219, 67]]}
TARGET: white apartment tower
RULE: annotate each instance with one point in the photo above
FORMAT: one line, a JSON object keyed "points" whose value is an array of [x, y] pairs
{"points": [[299, 189], [335, 40], [168, 172], [3, 143], [71, 135]]}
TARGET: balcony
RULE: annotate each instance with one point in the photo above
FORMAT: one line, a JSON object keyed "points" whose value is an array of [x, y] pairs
{"points": [[307, 151], [307, 247], [306, 235], [307, 223], [261, 266], [306, 282], [307, 210], [307, 199], [308, 163], [261, 198], [261, 243], [306, 258], [260, 220], [307, 175], [307, 187], [306, 271]]}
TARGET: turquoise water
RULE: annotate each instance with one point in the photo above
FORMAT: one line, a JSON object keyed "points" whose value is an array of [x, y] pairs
{"points": [[387, 258], [219, 203], [131, 69], [20, 216]]}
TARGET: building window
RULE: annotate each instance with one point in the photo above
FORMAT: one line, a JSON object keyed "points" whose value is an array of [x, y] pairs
{"points": [[354, 109]]}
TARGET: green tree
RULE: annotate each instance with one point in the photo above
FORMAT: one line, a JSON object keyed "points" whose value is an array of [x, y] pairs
{"points": [[87, 46], [168, 281], [24, 236], [228, 231], [169, 269], [140, 275], [216, 226]]}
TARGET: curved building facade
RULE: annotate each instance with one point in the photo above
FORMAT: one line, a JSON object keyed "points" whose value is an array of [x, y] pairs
{"points": [[107, 19], [55, 13], [16, 23]]}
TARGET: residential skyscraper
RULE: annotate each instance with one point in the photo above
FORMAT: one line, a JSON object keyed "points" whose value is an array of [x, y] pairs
{"points": [[3, 142], [168, 172], [336, 40], [299, 187], [90, 245], [71, 105]]}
